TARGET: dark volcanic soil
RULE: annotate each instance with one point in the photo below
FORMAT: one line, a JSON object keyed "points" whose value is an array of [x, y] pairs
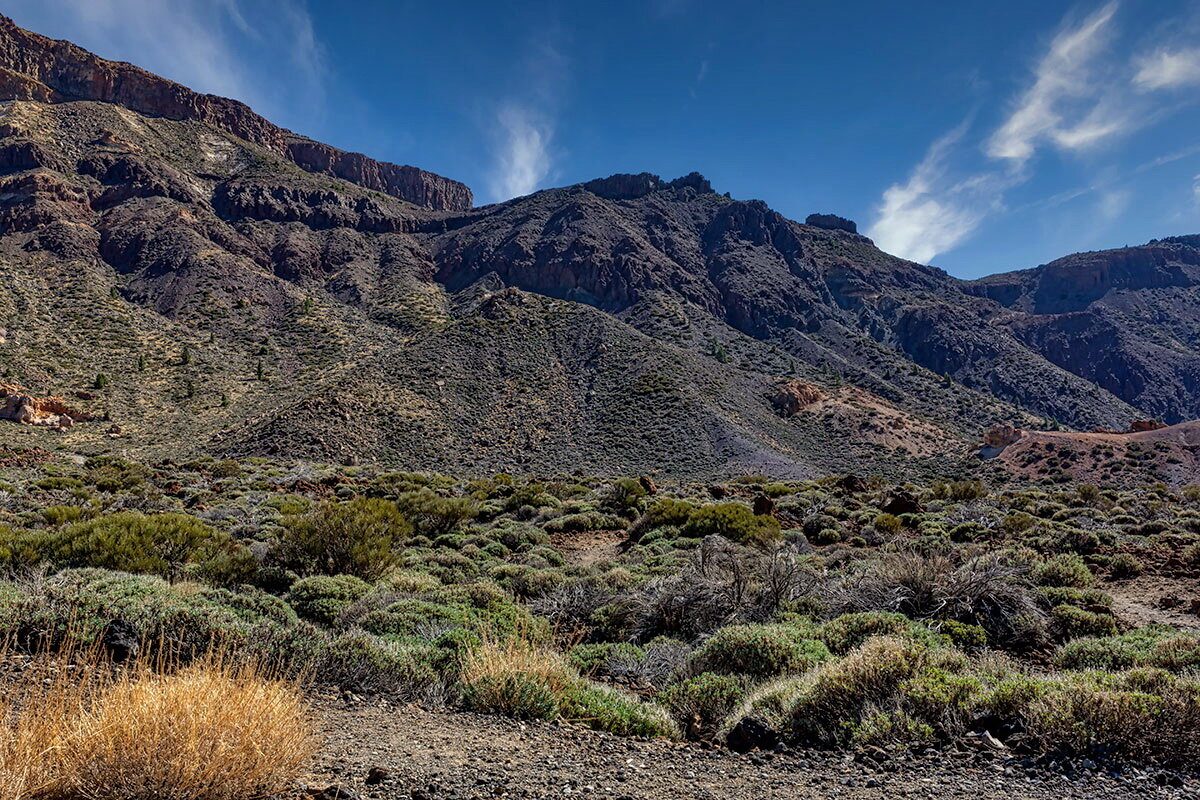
{"points": [[442, 755]]}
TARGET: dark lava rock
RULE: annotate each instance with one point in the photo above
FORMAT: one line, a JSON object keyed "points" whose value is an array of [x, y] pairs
{"points": [[121, 640], [750, 733], [831, 222]]}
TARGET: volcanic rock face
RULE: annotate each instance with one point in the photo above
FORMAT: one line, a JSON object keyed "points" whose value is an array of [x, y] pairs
{"points": [[831, 222], [33, 67], [793, 397], [1000, 436], [241, 300], [48, 412]]}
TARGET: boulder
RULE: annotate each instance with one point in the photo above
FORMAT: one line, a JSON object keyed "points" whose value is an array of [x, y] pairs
{"points": [[1001, 436], [1142, 425], [792, 397], [751, 733]]}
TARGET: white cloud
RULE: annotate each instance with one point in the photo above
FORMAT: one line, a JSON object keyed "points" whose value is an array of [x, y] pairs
{"points": [[1064, 80], [208, 46], [1168, 69], [1112, 204], [522, 125], [931, 212], [523, 152]]}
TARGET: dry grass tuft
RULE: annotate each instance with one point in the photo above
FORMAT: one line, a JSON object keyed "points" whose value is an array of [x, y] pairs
{"points": [[208, 731]]}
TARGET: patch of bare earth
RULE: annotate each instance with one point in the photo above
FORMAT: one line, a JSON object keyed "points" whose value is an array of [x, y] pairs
{"points": [[442, 755], [589, 547], [1157, 599]]}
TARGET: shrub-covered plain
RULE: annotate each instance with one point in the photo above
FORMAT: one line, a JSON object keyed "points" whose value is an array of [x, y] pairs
{"points": [[834, 613]]}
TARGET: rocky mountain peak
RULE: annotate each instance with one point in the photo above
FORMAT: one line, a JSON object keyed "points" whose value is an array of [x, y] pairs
{"points": [[631, 187], [831, 222], [37, 68]]}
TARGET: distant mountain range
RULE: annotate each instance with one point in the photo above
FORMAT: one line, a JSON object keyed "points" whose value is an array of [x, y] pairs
{"points": [[199, 280]]}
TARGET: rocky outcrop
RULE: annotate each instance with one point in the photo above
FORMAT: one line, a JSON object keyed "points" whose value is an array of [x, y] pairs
{"points": [[408, 183], [49, 412], [793, 397], [34, 67], [1001, 436], [631, 187], [1142, 425], [831, 222]]}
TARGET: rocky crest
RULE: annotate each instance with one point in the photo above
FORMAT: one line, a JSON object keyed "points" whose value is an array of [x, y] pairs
{"points": [[17, 405], [34, 67]]}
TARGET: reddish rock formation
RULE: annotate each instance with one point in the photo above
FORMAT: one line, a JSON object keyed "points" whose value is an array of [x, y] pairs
{"points": [[50, 412], [1140, 425], [999, 436], [34, 67], [794, 396]]}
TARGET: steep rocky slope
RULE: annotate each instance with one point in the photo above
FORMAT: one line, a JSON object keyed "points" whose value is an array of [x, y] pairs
{"points": [[1127, 320], [212, 282], [33, 67]]}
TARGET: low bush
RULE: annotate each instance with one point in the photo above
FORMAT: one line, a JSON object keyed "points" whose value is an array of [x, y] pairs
{"points": [[735, 522], [322, 598], [205, 730], [757, 651], [700, 704], [357, 538]]}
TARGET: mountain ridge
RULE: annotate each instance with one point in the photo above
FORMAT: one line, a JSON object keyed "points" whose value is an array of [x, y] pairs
{"points": [[235, 300]]}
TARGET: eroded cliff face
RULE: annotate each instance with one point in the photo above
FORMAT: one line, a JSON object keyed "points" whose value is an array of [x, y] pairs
{"points": [[34, 67]]}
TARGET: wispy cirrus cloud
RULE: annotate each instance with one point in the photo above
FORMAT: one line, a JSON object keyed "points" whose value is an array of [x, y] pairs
{"points": [[523, 151], [522, 125], [931, 212], [216, 46], [1065, 81], [1082, 95], [1168, 69]]}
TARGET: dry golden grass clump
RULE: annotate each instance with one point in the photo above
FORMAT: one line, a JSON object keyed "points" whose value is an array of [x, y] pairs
{"points": [[206, 731]]}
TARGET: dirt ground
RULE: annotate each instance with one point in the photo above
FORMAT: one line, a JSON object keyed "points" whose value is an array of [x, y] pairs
{"points": [[444, 755], [1155, 598]]}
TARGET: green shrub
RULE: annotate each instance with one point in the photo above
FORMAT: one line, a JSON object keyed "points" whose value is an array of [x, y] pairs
{"points": [[1125, 565], [758, 651], [432, 515], [1158, 646], [1070, 622], [844, 633], [605, 709], [160, 544], [322, 598], [354, 538], [702, 703], [1067, 569], [735, 522]]}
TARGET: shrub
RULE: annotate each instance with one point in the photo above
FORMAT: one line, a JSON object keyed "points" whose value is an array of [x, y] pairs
{"points": [[848, 631], [515, 680], [605, 709], [1125, 565], [1071, 621], [822, 709], [1158, 646], [354, 538], [432, 515], [733, 521], [757, 651], [322, 598], [160, 544], [1067, 569], [702, 703]]}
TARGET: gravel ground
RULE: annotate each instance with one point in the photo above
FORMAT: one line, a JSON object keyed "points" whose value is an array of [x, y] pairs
{"points": [[443, 755]]}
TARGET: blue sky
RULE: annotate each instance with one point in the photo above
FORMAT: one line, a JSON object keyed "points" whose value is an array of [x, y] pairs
{"points": [[976, 136]]}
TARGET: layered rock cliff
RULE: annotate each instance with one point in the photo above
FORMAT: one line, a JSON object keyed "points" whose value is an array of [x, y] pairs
{"points": [[34, 67]]}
